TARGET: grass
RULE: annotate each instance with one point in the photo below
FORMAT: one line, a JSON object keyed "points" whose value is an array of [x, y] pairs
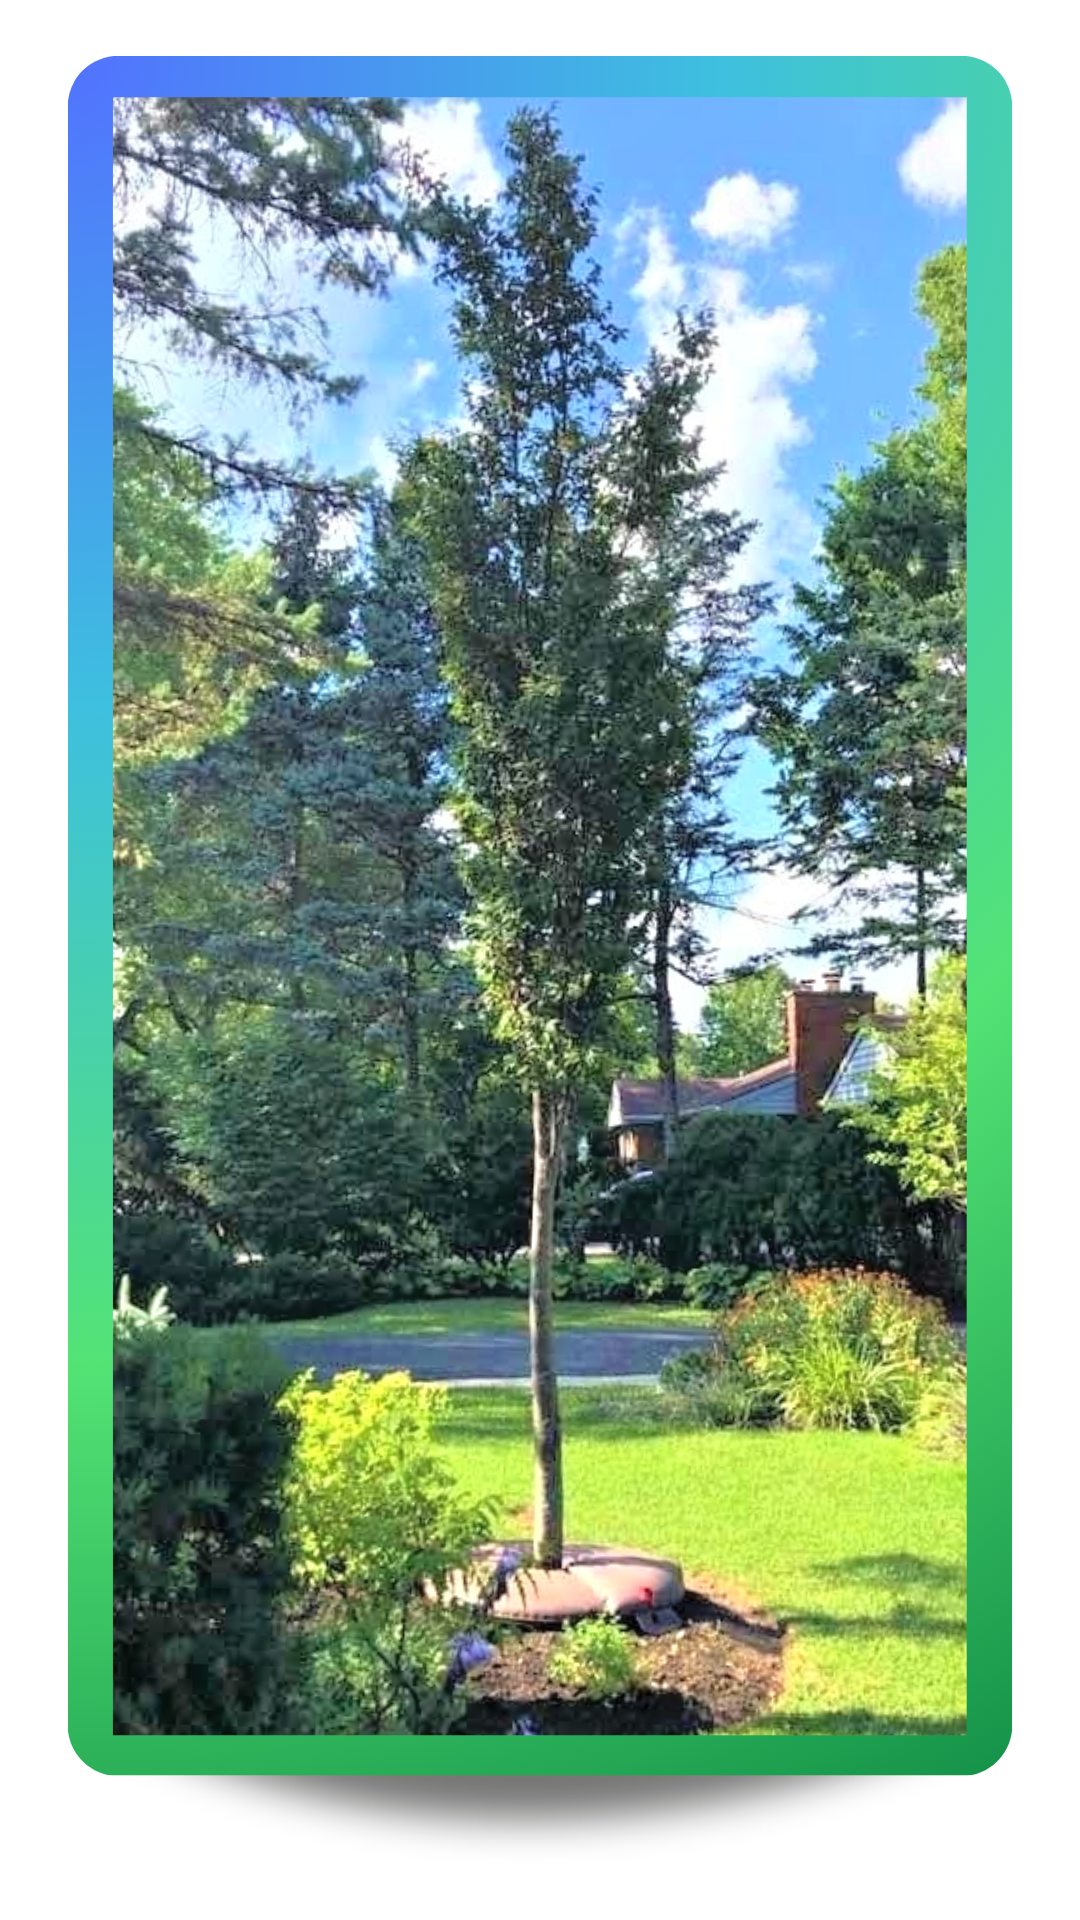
{"points": [[856, 1541], [488, 1316]]}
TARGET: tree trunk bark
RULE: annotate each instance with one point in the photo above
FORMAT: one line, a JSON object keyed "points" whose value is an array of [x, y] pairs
{"points": [[920, 933], [411, 1028], [665, 1018], [410, 999], [549, 1119], [294, 868]]}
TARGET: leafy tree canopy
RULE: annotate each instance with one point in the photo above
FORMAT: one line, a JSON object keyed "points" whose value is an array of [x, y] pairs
{"points": [[742, 1025], [917, 1111]]}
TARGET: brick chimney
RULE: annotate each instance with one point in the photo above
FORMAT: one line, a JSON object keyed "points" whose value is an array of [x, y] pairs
{"points": [[820, 1022]]}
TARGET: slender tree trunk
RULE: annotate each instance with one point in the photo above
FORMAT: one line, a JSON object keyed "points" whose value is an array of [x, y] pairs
{"points": [[920, 932], [294, 870], [665, 1019], [410, 999], [549, 1120], [411, 1028]]}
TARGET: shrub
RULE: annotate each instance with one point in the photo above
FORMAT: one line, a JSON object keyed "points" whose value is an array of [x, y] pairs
{"points": [[638, 1279], [827, 1349], [708, 1392], [877, 1310], [199, 1569], [596, 1656], [477, 1187], [375, 1518], [827, 1383], [425, 1271], [363, 1677], [161, 1250], [714, 1286], [628, 1214], [290, 1286], [209, 1286], [940, 1422]]}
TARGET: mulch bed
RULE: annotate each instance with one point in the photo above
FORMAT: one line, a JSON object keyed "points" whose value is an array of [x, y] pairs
{"points": [[721, 1669]]}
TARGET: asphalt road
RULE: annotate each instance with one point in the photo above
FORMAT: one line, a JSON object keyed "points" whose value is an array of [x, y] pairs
{"points": [[608, 1354]]}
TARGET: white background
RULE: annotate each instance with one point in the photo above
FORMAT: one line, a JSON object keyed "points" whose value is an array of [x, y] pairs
{"points": [[760, 1847]]}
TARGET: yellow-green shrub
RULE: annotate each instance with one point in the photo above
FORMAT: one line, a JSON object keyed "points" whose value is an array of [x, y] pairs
{"points": [[373, 1514]]}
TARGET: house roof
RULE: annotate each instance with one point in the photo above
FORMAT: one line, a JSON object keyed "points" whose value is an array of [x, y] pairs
{"points": [[637, 1101]]}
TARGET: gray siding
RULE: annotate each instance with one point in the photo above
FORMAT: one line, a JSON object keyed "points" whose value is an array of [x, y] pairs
{"points": [[776, 1096], [850, 1084]]}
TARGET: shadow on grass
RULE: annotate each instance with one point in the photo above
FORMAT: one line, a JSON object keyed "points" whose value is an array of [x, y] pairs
{"points": [[902, 1579], [897, 1570], [902, 1620]]}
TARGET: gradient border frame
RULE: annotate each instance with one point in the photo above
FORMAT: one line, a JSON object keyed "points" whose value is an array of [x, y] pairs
{"points": [[90, 551]]}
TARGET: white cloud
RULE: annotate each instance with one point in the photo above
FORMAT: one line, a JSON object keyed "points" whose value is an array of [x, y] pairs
{"points": [[746, 212], [746, 414], [933, 167], [447, 135], [662, 284], [379, 455], [420, 373], [811, 273]]}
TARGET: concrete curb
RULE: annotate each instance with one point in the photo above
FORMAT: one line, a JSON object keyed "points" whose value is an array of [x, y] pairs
{"points": [[566, 1380]]}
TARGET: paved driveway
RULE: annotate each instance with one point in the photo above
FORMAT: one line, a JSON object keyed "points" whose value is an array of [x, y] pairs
{"points": [[604, 1354]]}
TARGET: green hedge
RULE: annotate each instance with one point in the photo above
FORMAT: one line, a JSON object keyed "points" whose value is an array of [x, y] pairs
{"points": [[209, 1286], [200, 1450], [762, 1191]]}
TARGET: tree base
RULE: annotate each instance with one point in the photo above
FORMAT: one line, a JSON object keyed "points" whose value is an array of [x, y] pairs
{"points": [[592, 1579]]}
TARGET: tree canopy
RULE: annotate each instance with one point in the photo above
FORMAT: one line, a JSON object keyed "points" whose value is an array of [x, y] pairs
{"points": [[917, 1110], [742, 1023]]}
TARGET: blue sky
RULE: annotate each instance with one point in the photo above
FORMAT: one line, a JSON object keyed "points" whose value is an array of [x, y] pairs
{"points": [[801, 222]]}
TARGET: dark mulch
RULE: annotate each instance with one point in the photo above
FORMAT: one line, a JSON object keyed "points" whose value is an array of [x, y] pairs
{"points": [[720, 1670]]}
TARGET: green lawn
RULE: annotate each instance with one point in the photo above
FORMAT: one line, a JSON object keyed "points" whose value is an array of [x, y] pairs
{"points": [[487, 1316], [857, 1541]]}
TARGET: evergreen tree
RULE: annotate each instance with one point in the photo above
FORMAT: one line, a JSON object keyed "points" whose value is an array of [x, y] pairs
{"points": [[868, 721], [302, 847], [310, 183]]}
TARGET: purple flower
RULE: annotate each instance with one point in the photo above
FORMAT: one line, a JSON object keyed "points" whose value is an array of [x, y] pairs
{"points": [[505, 1567], [467, 1650]]}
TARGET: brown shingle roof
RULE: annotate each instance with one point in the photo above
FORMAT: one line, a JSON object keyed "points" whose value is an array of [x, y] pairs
{"points": [[643, 1099]]}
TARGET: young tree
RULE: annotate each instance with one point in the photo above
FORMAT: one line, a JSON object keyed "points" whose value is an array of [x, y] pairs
{"points": [[742, 1024], [547, 522]]}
